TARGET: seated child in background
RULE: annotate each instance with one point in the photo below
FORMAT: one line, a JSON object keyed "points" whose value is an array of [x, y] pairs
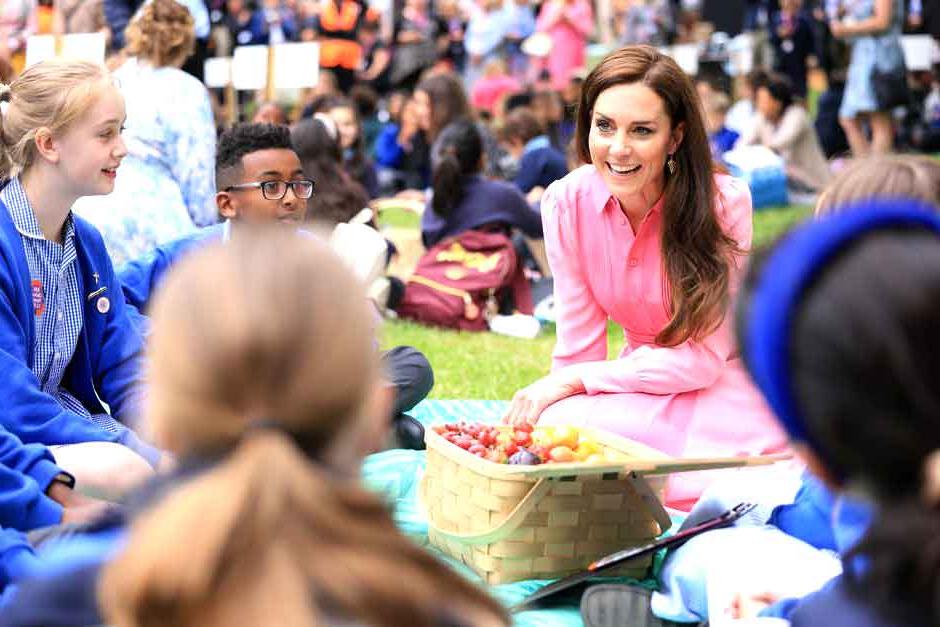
{"points": [[742, 115], [261, 180], [68, 347], [805, 522], [493, 86], [266, 510], [720, 137], [539, 163]]}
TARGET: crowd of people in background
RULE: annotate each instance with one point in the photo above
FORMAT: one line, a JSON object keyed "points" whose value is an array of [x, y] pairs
{"points": [[832, 60], [136, 209]]}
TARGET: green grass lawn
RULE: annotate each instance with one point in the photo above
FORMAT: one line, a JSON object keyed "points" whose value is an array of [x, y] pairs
{"points": [[490, 366]]}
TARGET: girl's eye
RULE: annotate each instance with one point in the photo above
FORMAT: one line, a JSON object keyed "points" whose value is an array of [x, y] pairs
{"points": [[603, 125], [643, 130]]}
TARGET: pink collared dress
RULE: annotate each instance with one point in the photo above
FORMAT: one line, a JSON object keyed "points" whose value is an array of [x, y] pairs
{"points": [[690, 400]]}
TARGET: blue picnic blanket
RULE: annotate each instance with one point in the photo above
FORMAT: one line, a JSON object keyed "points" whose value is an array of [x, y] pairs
{"points": [[396, 474]]}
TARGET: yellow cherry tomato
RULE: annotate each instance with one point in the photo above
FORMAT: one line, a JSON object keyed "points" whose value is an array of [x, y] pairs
{"points": [[566, 435], [562, 454]]}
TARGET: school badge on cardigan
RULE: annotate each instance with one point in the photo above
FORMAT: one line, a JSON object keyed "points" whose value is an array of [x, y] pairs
{"points": [[104, 305], [39, 304]]}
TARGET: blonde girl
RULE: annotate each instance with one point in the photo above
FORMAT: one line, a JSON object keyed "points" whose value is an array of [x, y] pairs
{"points": [[68, 346], [265, 522]]}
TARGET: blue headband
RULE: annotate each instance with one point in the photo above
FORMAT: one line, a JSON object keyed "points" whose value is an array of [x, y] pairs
{"points": [[785, 276]]}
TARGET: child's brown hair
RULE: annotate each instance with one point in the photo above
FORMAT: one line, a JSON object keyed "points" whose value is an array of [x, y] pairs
{"points": [[262, 357]]}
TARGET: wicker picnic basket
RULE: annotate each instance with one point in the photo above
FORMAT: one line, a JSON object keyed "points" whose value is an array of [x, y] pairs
{"points": [[509, 523]]}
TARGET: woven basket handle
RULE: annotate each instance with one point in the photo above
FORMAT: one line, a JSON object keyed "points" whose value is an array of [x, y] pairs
{"points": [[503, 529]]}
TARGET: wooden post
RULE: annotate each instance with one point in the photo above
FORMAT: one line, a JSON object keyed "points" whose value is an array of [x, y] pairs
{"points": [[269, 82], [58, 27], [230, 102]]}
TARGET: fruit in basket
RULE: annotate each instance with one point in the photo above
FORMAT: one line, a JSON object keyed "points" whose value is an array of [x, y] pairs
{"points": [[566, 435], [525, 444], [562, 453], [522, 457]]}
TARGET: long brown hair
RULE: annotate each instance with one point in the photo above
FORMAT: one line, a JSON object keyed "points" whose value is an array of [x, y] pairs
{"points": [[448, 101], [261, 353], [697, 253]]}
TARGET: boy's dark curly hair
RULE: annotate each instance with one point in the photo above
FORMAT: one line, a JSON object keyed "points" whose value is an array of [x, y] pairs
{"points": [[243, 139]]}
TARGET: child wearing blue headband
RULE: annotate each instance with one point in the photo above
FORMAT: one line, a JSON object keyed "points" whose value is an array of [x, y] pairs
{"points": [[840, 329]]}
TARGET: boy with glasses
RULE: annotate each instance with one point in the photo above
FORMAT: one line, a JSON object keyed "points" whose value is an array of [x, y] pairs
{"points": [[261, 180]]}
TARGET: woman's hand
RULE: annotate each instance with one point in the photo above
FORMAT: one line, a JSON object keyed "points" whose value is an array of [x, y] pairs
{"points": [[750, 605], [529, 402], [837, 29]]}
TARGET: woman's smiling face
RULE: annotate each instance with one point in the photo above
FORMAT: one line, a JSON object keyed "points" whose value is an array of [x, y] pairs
{"points": [[631, 138]]}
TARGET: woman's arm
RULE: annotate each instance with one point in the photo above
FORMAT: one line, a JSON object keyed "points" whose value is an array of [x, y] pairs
{"points": [[580, 323], [879, 21], [788, 132], [579, 15]]}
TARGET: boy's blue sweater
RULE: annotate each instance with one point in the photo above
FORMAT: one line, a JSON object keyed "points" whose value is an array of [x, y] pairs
{"points": [[107, 358], [140, 277]]}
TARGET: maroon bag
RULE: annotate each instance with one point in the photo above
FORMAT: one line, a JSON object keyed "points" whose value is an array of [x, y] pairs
{"points": [[456, 278]]}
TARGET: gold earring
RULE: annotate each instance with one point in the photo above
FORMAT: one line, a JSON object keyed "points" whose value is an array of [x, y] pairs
{"points": [[671, 165]]}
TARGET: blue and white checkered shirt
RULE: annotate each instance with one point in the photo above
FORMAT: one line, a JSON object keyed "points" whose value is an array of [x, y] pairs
{"points": [[57, 301]]}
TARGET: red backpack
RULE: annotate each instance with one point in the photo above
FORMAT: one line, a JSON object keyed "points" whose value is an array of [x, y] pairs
{"points": [[455, 280]]}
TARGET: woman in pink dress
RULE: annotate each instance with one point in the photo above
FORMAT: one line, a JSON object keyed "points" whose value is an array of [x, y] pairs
{"points": [[569, 23], [652, 236]]}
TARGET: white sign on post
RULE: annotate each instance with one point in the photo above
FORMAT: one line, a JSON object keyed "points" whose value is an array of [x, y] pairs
{"points": [[84, 46], [296, 65], [217, 72], [920, 52]]}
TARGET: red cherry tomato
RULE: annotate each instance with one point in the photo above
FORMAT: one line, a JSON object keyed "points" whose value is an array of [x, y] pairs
{"points": [[464, 442], [511, 448], [522, 438]]}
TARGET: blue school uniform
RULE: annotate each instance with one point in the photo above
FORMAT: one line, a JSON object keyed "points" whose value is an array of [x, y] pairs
{"points": [[140, 277], [26, 471], [103, 364], [484, 203]]}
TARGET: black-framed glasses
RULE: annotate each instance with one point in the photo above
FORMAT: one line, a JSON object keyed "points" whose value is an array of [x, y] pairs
{"points": [[275, 190]]}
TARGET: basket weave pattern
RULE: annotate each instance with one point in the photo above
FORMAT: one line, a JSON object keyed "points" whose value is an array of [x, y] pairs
{"points": [[567, 521]]}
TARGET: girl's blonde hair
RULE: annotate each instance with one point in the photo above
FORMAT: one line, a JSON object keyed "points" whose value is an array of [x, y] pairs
{"points": [[911, 176], [161, 33], [261, 355], [52, 94]]}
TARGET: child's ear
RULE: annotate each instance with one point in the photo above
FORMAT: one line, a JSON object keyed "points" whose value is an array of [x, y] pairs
{"points": [[223, 200], [45, 145]]}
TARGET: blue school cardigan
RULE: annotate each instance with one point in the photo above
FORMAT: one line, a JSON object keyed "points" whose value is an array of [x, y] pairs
{"points": [[26, 470], [107, 359], [140, 277]]}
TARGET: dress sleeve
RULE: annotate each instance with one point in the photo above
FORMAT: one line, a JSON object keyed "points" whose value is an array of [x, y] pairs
{"points": [[580, 323], [788, 132], [193, 148], [694, 364]]}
